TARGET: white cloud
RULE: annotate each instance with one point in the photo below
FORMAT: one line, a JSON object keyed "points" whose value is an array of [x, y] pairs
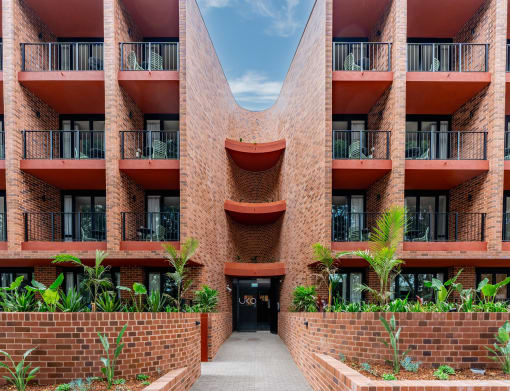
{"points": [[213, 3], [255, 91], [282, 14]]}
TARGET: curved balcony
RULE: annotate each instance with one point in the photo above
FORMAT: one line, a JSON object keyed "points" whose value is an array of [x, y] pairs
{"points": [[255, 213], [238, 269], [255, 156]]}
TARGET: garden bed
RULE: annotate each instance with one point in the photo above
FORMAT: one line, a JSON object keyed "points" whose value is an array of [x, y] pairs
{"points": [[131, 384]]}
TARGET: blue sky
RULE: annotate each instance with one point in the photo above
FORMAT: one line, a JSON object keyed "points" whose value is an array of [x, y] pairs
{"points": [[255, 41]]}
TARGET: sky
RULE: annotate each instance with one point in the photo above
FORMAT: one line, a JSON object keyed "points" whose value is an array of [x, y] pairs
{"points": [[255, 41]]}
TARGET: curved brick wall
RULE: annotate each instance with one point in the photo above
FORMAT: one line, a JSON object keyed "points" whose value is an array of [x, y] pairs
{"points": [[456, 339], [69, 348]]}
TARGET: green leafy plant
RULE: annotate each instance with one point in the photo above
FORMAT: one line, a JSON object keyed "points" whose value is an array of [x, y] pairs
{"points": [[206, 299], [444, 372], [12, 299], [178, 260], [381, 257], [107, 301], [63, 387], [142, 377], [467, 297], [490, 291], [96, 278], [19, 374], [156, 301], [72, 302], [410, 366], [389, 376], [367, 368], [398, 305], [110, 361], [146, 383], [393, 343], [501, 350], [81, 385], [498, 306], [304, 299], [119, 381], [341, 357], [137, 294], [444, 290], [326, 262], [50, 295]]}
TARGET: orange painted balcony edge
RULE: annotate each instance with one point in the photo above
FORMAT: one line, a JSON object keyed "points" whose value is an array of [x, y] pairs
{"points": [[62, 246], [358, 174], [157, 174], [62, 76], [146, 246], [148, 76], [238, 269], [255, 213], [445, 246], [505, 246], [357, 76], [255, 156]]}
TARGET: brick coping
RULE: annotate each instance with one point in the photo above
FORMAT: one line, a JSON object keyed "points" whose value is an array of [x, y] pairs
{"points": [[168, 381], [355, 381]]}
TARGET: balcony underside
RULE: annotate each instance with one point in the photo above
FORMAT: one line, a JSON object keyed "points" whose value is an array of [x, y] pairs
{"points": [[507, 101], [441, 174], [2, 174], [56, 247], [68, 92], [238, 269], [358, 174], [1, 90], [507, 175], [354, 18], [68, 174], [255, 213], [152, 174], [357, 92], [153, 91], [155, 18], [75, 18], [146, 246], [442, 92], [255, 157]]}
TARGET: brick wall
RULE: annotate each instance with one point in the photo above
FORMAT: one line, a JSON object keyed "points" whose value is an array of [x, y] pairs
{"points": [[68, 346], [219, 328]]}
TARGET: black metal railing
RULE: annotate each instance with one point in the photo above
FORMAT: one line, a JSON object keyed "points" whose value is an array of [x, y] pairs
{"points": [[362, 56], [3, 227], [149, 144], [445, 227], [62, 56], [447, 57], [63, 144], [507, 145], [351, 227], [1, 56], [361, 144], [506, 227], [2, 145], [449, 145], [508, 58], [65, 227], [149, 56], [151, 226]]}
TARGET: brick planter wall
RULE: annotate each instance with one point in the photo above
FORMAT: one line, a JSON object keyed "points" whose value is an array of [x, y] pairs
{"points": [[68, 346], [456, 339], [219, 329]]}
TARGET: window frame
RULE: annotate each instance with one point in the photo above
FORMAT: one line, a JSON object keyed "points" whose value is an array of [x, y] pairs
{"points": [[93, 194], [431, 193], [349, 271], [19, 270], [493, 271], [415, 272]]}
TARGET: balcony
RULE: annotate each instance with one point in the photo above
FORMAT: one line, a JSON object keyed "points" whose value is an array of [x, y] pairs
{"points": [[441, 77], [1, 78], [361, 74], [2, 160], [443, 160], [250, 213], [507, 101], [3, 231], [507, 161], [67, 75], [66, 159], [351, 231], [360, 157], [450, 231], [60, 231], [255, 156], [149, 72], [148, 156], [147, 231]]}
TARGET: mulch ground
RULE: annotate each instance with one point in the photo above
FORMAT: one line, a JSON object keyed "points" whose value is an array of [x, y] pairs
{"points": [[129, 385], [426, 373]]}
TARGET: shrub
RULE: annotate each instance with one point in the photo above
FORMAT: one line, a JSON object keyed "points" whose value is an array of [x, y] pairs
{"points": [[109, 362], [393, 343], [304, 299], [137, 294], [156, 301], [444, 372], [389, 376], [501, 350], [50, 295], [63, 387], [489, 291], [20, 374], [444, 290], [207, 299], [367, 368], [108, 302], [72, 302], [81, 385], [410, 366], [142, 377]]}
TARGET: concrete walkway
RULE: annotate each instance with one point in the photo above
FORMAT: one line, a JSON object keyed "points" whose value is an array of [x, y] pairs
{"points": [[252, 362]]}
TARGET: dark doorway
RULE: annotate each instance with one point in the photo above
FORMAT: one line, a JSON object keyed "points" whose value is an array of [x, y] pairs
{"points": [[255, 304]]}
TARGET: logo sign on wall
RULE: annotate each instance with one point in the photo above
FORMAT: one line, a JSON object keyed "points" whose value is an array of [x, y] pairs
{"points": [[247, 300]]}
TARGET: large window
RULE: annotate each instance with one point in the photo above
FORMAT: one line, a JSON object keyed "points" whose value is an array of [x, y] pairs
{"points": [[75, 139], [427, 137], [494, 276], [410, 284], [348, 217], [349, 136], [346, 286], [162, 215], [7, 276], [427, 216], [506, 216], [158, 280], [3, 217], [84, 216], [74, 278]]}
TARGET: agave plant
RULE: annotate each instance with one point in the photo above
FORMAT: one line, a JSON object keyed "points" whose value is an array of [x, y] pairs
{"points": [[72, 301], [108, 302]]}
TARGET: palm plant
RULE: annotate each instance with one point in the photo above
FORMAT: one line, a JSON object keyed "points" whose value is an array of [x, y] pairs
{"points": [[381, 257], [178, 260], [96, 278], [327, 267]]}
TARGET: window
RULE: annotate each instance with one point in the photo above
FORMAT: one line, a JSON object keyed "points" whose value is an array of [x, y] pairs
{"points": [[3, 217], [506, 216], [348, 134], [78, 139], [411, 283], [74, 278], [421, 54], [427, 137], [158, 280], [161, 140], [427, 214], [8, 276], [84, 217], [79, 54], [348, 217], [346, 286], [162, 220], [494, 276]]}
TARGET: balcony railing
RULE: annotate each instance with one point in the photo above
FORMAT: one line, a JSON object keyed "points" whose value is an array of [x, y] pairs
{"points": [[445, 227], [151, 226], [447, 57], [2, 145], [3, 227], [507, 145], [508, 58], [149, 144], [63, 144], [352, 227], [446, 145], [65, 227], [62, 56], [506, 227], [149, 56], [362, 56], [361, 144], [1, 57]]}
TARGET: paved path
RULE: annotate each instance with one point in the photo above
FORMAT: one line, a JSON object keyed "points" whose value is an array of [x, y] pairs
{"points": [[252, 362]]}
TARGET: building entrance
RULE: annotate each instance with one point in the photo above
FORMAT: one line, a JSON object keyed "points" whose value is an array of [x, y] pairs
{"points": [[255, 304]]}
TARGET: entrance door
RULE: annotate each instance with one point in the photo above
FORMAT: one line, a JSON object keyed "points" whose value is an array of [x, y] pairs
{"points": [[247, 305]]}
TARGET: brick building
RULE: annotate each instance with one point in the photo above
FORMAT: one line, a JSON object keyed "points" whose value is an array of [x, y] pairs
{"points": [[120, 133]]}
